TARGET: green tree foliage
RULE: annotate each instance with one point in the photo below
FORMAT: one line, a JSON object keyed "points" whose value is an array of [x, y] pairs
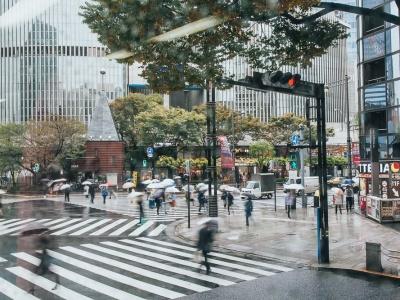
{"points": [[262, 151], [195, 58], [332, 161], [11, 143]]}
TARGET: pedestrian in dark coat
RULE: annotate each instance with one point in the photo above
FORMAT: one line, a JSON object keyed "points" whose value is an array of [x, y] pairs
{"points": [[349, 198], [248, 208], [230, 202], [104, 194], [66, 195], [92, 192], [202, 200], [224, 197], [206, 238], [158, 201]]}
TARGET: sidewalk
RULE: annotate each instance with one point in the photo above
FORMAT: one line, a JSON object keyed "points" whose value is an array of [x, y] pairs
{"points": [[275, 236]]}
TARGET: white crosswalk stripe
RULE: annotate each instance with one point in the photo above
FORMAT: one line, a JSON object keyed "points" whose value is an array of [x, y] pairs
{"points": [[8, 221], [91, 227], [2, 260], [16, 229], [158, 230], [4, 227], [142, 228], [69, 222], [108, 227], [69, 229], [116, 270], [124, 228]]}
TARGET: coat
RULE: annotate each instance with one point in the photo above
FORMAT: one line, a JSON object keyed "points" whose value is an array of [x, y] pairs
{"points": [[206, 237], [338, 197], [248, 207], [289, 199]]}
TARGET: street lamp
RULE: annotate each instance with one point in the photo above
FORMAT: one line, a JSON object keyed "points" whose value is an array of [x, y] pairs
{"points": [[102, 73], [235, 172]]}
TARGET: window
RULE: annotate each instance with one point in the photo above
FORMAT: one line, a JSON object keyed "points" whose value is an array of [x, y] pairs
{"points": [[374, 71], [372, 23], [375, 97], [372, 3], [393, 146], [393, 92], [392, 66], [374, 119], [256, 185], [392, 40], [394, 120], [374, 46]]}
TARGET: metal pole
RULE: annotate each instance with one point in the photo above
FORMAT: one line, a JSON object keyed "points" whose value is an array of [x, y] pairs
{"points": [[322, 166], [348, 127], [375, 167], [303, 195], [208, 147], [213, 204], [233, 148], [188, 196]]}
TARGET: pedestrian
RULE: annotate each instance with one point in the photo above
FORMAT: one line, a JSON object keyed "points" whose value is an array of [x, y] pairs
{"points": [[224, 197], [66, 194], [45, 242], [206, 238], [349, 198], [158, 201], [316, 198], [139, 202], [202, 200], [92, 192], [1, 207], [338, 199], [86, 191], [172, 201], [289, 199], [230, 202], [248, 208], [104, 194]]}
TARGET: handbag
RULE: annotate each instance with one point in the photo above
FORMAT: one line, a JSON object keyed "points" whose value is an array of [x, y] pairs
{"points": [[197, 257]]}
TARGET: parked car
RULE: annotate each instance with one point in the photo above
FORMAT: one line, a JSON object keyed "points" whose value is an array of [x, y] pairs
{"points": [[352, 182], [335, 181]]}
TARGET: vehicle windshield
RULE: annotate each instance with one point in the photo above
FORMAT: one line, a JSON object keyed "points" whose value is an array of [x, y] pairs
{"points": [[250, 185]]}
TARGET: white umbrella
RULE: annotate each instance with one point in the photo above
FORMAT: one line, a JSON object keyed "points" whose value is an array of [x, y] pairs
{"points": [[149, 181], [134, 195], [87, 182], [65, 186], [2, 192], [186, 187], [294, 186], [157, 185], [218, 193], [172, 190], [61, 180], [103, 185], [168, 182], [128, 185], [229, 188]]}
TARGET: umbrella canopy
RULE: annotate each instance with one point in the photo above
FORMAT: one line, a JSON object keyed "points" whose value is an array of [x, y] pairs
{"points": [[134, 195], [157, 185], [61, 180], [229, 188], [172, 190], [103, 185], [294, 186], [158, 193], [218, 193], [149, 181], [186, 187], [128, 185], [65, 187], [168, 182], [44, 180], [2, 192], [87, 182], [33, 228]]}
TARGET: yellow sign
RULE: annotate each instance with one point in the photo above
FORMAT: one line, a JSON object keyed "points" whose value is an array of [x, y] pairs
{"points": [[134, 178]]}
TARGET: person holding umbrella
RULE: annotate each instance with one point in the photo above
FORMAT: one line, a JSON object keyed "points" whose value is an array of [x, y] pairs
{"points": [[230, 202], [206, 238], [202, 200]]}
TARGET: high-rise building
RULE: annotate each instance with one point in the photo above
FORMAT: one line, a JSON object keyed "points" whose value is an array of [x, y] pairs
{"points": [[330, 69], [50, 62], [379, 81]]}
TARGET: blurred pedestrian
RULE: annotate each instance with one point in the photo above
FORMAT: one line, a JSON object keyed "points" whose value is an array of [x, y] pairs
{"points": [[172, 201], [230, 202], [202, 200], [158, 201], [86, 191], [92, 192], [1, 207], [139, 201], [224, 197], [104, 194], [66, 194], [290, 198], [248, 208], [206, 238], [349, 198], [45, 242], [338, 200]]}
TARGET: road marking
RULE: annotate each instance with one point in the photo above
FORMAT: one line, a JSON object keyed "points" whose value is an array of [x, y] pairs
{"points": [[54, 222], [2, 260], [8, 221], [158, 230], [221, 255], [190, 255], [178, 261], [65, 224], [142, 228], [20, 227], [108, 227], [68, 229], [143, 272], [91, 227], [124, 228], [17, 223], [46, 284], [14, 292], [154, 289], [161, 266], [82, 280]]}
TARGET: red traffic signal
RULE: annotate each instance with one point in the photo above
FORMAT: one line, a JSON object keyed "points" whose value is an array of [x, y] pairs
{"points": [[292, 82]]}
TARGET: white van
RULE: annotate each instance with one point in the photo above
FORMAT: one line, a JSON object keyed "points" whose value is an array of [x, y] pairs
{"points": [[311, 184]]}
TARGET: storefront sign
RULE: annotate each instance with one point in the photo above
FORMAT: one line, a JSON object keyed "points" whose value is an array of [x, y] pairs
{"points": [[226, 155], [394, 167]]}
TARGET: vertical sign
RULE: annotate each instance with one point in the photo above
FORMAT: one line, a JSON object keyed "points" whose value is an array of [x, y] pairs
{"points": [[134, 178], [226, 154]]}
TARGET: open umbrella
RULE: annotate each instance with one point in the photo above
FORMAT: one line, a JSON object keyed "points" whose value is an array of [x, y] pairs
{"points": [[128, 185], [158, 193], [172, 190], [87, 182], [103, 185], [149, 181], [157, 185], [65, 187], [186, 187], [294, 186], [229, 188], [168, 182], [61, 180], [134, 195]]}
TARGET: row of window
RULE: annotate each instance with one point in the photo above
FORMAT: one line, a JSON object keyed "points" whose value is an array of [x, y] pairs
{"points": [[387, 121], [389, 147], [52, 50], [380, 70]]}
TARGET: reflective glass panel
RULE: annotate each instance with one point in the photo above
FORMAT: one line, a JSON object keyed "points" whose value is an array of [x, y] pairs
{"points": [[372, 3], [375, 97], [392, 40], [374, 46], [393, 66], [394, 120], [393, 90]]}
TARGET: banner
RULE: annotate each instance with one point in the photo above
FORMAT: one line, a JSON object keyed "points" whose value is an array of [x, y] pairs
{"points": [[226, 154]]}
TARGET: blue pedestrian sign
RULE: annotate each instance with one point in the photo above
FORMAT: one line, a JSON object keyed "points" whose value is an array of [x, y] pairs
{"points": [[295, 139], [150, 152]]}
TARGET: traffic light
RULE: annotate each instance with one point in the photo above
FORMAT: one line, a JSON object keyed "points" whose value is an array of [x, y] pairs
{"points": [[294, 160], [280, 79]]}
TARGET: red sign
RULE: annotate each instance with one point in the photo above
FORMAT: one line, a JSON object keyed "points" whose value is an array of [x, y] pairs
{"points": [[226, 155], [356, 159]]}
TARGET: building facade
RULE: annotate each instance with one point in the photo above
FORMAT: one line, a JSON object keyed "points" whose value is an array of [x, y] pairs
{"points": [[50, 62], [379, 81], [330, 69]]}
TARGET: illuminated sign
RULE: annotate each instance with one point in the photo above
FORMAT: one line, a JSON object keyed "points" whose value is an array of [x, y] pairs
{"points": [[394, 167]]}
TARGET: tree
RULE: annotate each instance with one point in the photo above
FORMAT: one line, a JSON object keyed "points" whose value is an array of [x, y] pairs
{"points": [[55, 142], [170, 126], [262, 151], [11, 150], [199, 57]]}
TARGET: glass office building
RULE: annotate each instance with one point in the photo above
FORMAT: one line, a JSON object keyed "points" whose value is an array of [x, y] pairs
{"points": [[379, 81], [50, 62]]}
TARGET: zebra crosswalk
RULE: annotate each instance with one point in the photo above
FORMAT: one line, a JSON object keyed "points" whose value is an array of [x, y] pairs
{"points": [[85, 227], [140, 268]]}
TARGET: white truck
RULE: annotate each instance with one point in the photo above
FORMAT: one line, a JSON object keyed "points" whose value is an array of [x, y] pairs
{"points": [[261, 185], [311, 184]]}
